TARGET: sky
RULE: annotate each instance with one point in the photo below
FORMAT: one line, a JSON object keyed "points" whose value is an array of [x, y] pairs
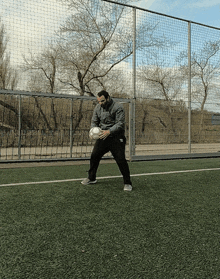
{"points": [[202, 11], [29, 23]]}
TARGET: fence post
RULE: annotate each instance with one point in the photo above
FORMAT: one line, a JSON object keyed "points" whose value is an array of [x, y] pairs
{"points": [[19, 127], [189, 87], [132, 103], [71, 129]]}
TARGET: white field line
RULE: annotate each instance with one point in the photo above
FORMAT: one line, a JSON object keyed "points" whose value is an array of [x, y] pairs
{"points": [[106, 177]]}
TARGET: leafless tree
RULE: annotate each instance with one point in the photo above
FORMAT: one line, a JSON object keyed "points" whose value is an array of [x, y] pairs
{"points": [[163, 83], [96, 39], [205, 73], [8, 76], [43, 71], [91, 46]]}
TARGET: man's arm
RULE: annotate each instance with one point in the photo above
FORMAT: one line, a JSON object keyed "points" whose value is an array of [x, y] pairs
{"points": [[119, 121], [95, 118], [118, 126]]}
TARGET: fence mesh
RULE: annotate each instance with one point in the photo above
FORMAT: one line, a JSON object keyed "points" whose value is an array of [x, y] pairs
{"points": [[50, 127], [205, 83], [81, 47], [161, 89]]}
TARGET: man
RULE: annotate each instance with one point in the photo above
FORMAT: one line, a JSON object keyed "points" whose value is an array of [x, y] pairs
{"points": [[110, 117]]}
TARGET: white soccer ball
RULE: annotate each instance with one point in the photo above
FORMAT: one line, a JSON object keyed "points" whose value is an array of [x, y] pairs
{"points": [[94, 133]]}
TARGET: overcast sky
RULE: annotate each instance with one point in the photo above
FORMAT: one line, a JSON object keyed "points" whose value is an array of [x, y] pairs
{"points": [[202, 11], [30, 23]]}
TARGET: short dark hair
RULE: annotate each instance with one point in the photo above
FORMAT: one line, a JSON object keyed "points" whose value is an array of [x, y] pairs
{"points": [[103, 93]]}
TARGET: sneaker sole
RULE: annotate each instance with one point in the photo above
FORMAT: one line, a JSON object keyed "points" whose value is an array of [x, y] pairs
{"points": [[92, 182]]}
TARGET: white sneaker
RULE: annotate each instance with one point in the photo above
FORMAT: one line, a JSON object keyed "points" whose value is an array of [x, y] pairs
{"points": [[87, 181], [127, 187]]}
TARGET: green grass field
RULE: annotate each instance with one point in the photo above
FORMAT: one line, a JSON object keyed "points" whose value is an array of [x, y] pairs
{"points": [[167, 227]]}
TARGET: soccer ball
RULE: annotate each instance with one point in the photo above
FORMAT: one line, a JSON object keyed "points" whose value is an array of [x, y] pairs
{"points": [[94, 133]]}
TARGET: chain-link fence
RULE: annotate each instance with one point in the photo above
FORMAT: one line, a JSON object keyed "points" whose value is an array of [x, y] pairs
{"points": [[56, 55]]}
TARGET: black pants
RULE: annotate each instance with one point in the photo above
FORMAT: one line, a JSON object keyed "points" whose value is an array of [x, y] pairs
{"points": [[117, 148]]}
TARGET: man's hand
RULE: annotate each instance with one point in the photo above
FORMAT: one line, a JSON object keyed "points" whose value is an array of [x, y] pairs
{"points": [[104, 134]]}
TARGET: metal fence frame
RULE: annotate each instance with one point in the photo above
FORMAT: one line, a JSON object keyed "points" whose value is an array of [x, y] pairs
{"points": [[72, 98], [131, 150]]}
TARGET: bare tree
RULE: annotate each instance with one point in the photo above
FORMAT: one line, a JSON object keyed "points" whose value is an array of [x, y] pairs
{"points": [[96, 39], [91, 45], [163, 83], [46, 64], [8, 76], [43, 71], [205, 72]]}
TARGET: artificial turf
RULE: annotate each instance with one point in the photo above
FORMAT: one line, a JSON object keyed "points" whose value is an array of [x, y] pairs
{"points": [[167, 227]]}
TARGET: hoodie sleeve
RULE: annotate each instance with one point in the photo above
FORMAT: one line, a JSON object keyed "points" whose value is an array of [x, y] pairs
{"points": [[119, 121], [95, 118]]}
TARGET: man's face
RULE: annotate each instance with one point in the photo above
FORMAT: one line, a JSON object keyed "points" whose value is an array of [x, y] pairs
{"points": [[102, 101]]}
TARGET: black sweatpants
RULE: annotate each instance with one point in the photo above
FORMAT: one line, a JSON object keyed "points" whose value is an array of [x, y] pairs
{"points": [[117, 148]]}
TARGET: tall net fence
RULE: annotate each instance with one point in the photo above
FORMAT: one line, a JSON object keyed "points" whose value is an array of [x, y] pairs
{"points": [[161, 89], [52, 51], [205, 61], [48, 127]]}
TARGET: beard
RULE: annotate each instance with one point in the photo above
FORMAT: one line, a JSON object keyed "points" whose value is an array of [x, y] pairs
{"points": [[104, 105]]}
